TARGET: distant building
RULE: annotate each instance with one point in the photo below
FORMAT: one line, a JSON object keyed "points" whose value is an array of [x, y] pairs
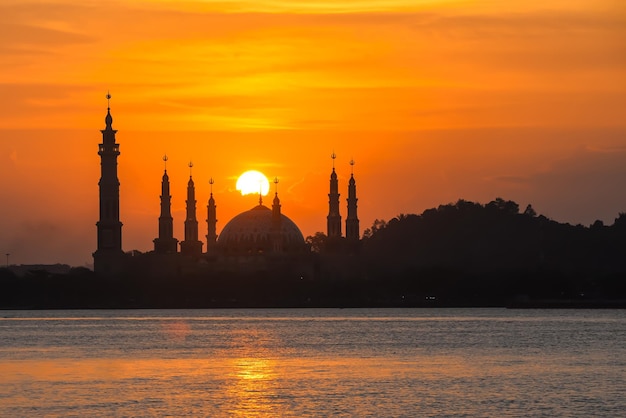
{"points": [[191, 246], [166, 243], [109, 257], [255, 240], [352, 220], [261, 230], [333, 220]]}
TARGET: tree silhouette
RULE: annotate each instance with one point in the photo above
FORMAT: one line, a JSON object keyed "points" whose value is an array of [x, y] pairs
{"points": [[317, 242]]}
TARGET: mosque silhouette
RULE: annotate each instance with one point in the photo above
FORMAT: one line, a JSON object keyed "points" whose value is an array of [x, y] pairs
{"points": [[261, 239]]}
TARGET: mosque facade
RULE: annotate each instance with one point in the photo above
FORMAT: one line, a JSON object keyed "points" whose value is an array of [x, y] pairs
{"points": [[251, 239]]}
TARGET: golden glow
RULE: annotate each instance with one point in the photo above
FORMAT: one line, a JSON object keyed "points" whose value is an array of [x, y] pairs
{"points": [[253, 182], [458, 98]]}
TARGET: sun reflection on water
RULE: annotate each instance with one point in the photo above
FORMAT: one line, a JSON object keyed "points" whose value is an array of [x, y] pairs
{"points": [[252, 383], [254, 367]]}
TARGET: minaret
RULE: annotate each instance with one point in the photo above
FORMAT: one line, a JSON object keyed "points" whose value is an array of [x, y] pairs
{"points": [[191, 246], [211, 237], [352, 221], [165, 243], [108, 257], [277, 245], [333, 218]]}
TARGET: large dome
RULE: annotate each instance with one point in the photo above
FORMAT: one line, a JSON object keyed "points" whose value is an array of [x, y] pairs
{"points": [[251, 232]]}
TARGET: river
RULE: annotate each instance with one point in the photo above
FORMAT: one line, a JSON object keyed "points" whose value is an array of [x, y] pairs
{"points": [[313, 362]]}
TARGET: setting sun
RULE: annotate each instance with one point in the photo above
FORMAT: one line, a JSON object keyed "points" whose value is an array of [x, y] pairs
{"points": [[253, 182]]}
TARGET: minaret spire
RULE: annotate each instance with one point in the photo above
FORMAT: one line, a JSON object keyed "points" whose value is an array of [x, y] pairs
{"points": [[352, 220], [211, 236], [166, 243], [191, 246], [109, 257], [277, 245], [333, 224]]}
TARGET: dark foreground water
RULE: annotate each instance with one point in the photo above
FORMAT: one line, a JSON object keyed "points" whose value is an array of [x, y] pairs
{"points": [[317, 362]]}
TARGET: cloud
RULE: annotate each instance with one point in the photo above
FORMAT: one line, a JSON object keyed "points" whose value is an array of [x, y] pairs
{"points": [[586, 185], [607, 149], [514, 180], [19, 35]]}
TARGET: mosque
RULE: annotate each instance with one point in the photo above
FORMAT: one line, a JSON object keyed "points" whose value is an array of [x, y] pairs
{"points": [[254, 240]]}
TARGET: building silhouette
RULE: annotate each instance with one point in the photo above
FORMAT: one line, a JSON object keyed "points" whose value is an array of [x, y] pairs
{"points": [[352, 220], [255, 240], [333, 224], [109, 257], [191, 246], [211, 220], [166, 243]]}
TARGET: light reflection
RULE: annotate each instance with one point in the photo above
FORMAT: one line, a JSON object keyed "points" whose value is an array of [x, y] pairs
{"points": [[253, 388], [253, 369], [252, 385], [176, 330]]}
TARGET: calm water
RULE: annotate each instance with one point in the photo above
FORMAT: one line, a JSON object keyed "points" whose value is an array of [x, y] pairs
{"points": [[318, 362]]}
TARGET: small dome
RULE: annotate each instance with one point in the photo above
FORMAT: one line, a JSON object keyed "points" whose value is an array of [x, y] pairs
{"points": [[252, 232]]}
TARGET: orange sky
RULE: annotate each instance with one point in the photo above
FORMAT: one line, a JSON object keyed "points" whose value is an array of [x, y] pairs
{"points": [[435, 100]]}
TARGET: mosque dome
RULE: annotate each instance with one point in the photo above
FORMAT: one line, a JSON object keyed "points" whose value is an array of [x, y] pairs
{"points": [[253, 232]]}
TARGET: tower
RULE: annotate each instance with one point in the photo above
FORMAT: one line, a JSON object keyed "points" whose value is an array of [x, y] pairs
{"points": [[165, 243], [191, 246], [276, 221], [211, 237], [333, 224], [108, 258], [352, 221]]}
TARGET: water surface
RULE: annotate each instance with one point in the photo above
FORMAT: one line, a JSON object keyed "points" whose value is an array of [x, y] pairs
{"points": [[313, 362]]}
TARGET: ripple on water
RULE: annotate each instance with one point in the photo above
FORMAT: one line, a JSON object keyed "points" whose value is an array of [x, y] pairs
{"points": [[465, 362]]}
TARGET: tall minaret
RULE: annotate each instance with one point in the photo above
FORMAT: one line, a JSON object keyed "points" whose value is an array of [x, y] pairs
{"points": [[165, 243], [276, 221], [191, 246], [108, 256], [333, 218], [211, 237], [352, 221]]}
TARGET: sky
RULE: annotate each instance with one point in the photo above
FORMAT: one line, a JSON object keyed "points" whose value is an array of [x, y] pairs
{"points": [[434, 100]]}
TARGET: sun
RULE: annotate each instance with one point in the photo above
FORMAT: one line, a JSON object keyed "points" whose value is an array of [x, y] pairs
{"points": [[253, 182]]}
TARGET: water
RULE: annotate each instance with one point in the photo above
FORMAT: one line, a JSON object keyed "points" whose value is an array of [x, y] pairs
{"points": [[317, 362]]}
